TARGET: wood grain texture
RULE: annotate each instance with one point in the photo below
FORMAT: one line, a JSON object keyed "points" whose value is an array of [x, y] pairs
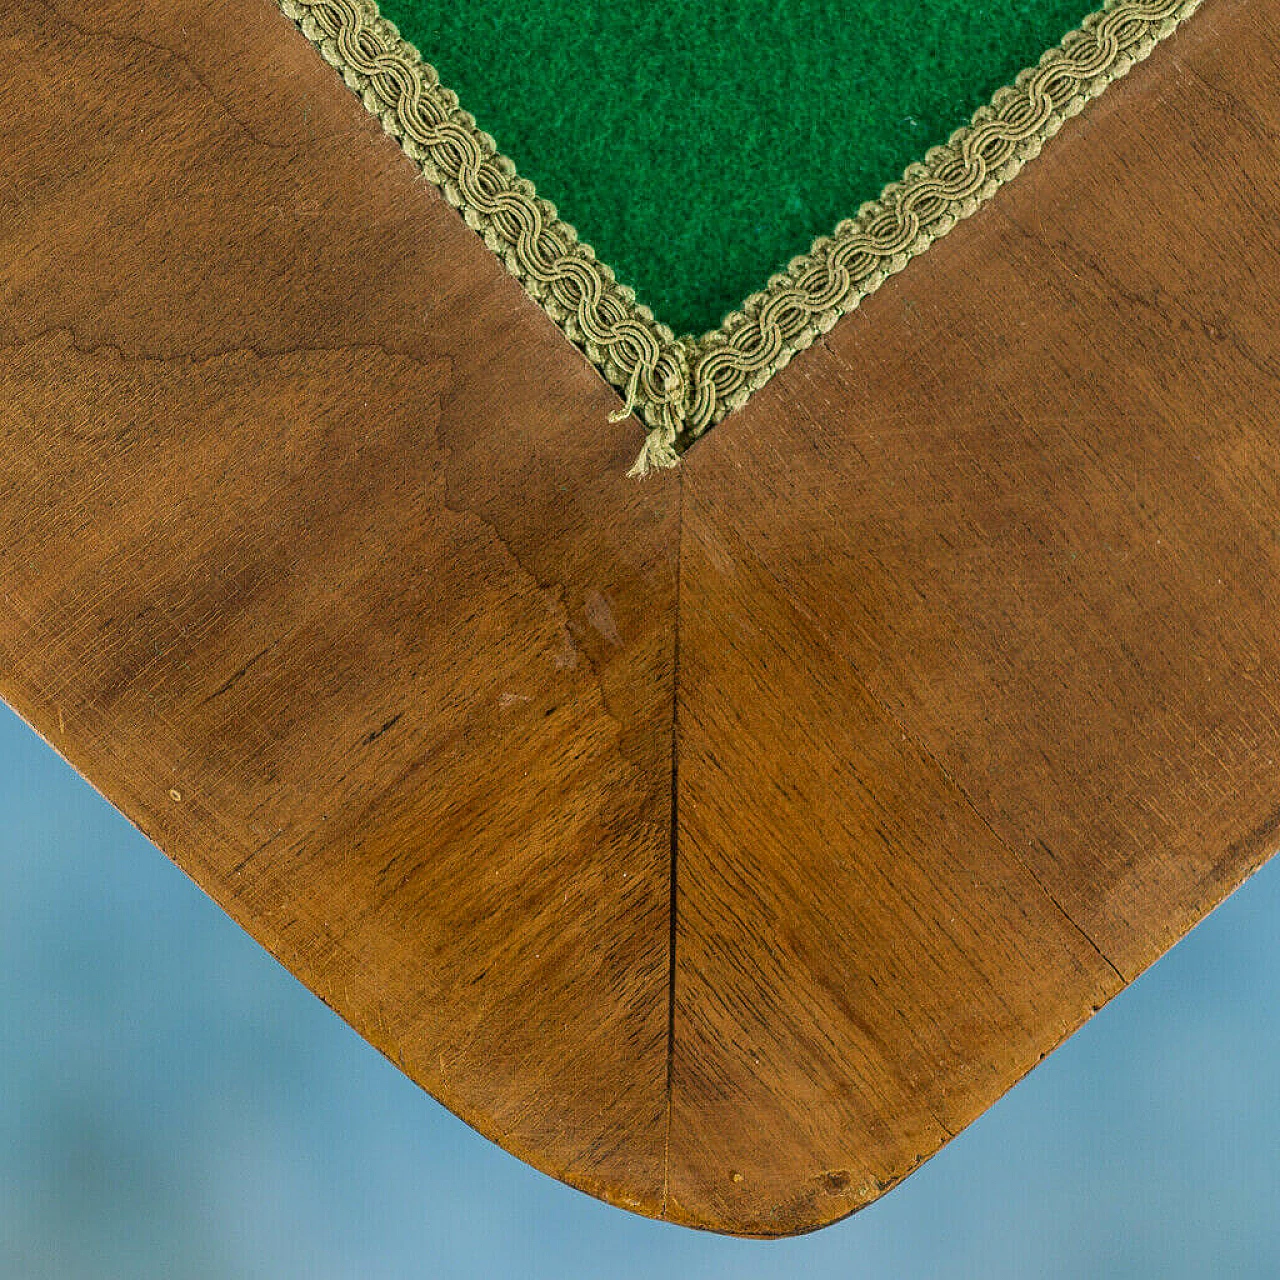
{"points": [[979, 697], [316, 560], [932, 698]]}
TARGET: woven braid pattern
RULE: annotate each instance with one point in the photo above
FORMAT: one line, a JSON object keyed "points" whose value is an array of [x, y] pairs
{"points": [[637, 353], [684, 386]]}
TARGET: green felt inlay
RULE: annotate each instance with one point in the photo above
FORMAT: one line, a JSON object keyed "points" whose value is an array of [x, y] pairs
{"points": [[698, 146]]}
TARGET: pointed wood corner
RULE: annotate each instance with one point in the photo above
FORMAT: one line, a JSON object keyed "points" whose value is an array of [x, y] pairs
{"points": [[721, 844]]}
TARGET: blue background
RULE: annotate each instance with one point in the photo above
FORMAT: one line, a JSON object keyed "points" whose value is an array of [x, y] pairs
{"points": [[173, 1104]]}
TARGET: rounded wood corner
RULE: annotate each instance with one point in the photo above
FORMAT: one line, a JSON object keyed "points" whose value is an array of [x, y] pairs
{"points": [[721, 844]]}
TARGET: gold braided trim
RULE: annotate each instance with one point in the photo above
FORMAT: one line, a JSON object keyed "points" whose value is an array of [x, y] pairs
{"points": [[684, 386]]}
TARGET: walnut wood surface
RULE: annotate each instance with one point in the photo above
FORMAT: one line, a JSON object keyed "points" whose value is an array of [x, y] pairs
{"points": [[979, 700], [937, 692], [315, 559]]}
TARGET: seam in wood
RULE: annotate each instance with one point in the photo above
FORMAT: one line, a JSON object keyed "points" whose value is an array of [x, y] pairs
{"points": [[683, 386], [673, 881]]}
